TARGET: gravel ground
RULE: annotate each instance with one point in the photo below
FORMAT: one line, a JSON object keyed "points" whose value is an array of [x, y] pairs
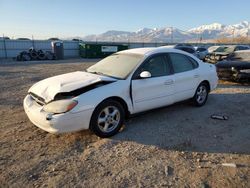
{"points": [[175, 146]]}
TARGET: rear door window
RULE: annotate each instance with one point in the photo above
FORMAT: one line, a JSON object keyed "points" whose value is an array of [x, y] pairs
{"points": [[182, 63]]}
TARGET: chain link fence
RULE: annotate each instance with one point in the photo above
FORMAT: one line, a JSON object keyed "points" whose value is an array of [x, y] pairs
{"points": [[11, 48]]}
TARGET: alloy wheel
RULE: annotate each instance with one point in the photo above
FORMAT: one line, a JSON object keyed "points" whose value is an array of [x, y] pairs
{"points": [[201, 94], [108, 119]]}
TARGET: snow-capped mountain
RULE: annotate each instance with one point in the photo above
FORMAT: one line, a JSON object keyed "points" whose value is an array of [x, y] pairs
{"points": [[211, 27], [217, 30], [171, 34]]}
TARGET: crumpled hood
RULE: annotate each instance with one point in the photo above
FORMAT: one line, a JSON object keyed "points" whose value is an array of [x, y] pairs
{"points": [[48, 88], [221, 53]]}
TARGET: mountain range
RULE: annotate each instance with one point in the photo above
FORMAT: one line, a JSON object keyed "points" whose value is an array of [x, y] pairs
{"points": [[172, 34]]}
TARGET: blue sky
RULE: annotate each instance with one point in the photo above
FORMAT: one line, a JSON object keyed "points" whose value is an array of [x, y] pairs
{"points": [[61, 18]]}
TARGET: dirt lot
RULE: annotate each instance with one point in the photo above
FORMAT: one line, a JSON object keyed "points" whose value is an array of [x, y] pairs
{"points": [[176, 146]]}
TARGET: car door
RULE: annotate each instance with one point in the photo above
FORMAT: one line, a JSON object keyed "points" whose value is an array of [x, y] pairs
{"points": [[186, 75], [156, 91]]}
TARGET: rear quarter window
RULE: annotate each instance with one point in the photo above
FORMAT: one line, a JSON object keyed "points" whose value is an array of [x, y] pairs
{"points": [[194, 62]]}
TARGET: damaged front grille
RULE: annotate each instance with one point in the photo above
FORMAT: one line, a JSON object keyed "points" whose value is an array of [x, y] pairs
{"points": [[67, 95], [39, 100]]}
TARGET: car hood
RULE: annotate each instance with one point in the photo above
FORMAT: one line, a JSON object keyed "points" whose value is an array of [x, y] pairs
{"points": [[235, 64], [221, 53], [48, 88]]}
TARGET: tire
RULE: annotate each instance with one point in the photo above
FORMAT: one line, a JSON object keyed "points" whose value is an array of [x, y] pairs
{"points": [[107, 118], [49, 55], [33, 54], [201, 95], [18, 58], [26, 57], [41, 56]]}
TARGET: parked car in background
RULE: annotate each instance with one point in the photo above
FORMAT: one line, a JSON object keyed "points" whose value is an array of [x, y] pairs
{"points": [[184, 45], [121, 84], [4, 38], [212, 48], [188, 49], [53, 38], [22, 39], [235, 67], [223, 52], [201, 52]]}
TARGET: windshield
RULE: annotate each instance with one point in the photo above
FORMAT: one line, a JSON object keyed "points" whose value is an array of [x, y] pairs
{"points": [[116, 65], [230, 49], [220, 49], [227, 49]]}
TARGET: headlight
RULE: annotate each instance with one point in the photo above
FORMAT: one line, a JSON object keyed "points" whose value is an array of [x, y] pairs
{"points": [[60, 106], [245, 71]]}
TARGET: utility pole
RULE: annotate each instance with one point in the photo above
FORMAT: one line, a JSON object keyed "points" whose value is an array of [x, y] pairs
{"points": [[247, 30], [33, 43], [200, 38], [233, 34], [172, 35], [4, 45]]}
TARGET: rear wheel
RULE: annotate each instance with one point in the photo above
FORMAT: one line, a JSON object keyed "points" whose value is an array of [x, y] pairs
{"points": [[107, 118], [201, 94]]}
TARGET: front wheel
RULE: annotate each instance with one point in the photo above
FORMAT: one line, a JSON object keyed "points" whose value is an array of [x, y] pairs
{"points": [[107, 118], [201, 95]]}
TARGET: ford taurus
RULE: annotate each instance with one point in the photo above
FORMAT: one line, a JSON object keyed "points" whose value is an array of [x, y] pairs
{"points": [[124, 83]]}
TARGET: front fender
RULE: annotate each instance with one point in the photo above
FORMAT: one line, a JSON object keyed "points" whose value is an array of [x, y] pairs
{"points": [[92, 98]]}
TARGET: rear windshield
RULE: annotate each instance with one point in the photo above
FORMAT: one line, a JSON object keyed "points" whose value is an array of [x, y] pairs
{"points": [[186, 49], [201, 49]]}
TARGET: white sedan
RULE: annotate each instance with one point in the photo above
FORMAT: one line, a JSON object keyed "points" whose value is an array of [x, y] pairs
{"points": [[124, 83]]}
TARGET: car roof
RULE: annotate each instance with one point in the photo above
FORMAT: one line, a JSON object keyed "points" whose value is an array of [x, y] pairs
{"points": [[233, 45], [151, 51]]}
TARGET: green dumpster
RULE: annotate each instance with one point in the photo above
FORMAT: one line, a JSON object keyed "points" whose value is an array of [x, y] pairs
{"points": [[99, 50]]}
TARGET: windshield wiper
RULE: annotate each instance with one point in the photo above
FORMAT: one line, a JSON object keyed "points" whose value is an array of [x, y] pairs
{"points": [[95, 72], [102, 74]]}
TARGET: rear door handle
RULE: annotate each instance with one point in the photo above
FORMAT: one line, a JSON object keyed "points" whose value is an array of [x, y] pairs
{"points": [[196, 76], [168, 82]]}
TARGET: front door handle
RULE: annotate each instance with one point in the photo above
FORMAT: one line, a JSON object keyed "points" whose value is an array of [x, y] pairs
{"points": [[168, 82]]}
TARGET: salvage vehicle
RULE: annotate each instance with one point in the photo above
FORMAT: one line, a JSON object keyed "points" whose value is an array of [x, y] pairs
{"points": [[212, 48], [188, 49], [184, 45], [125, 83], [223, 52], [235, 67], [201, 52]]}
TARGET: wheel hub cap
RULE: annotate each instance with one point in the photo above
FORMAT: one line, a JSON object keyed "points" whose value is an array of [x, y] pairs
{"points": [[108, 119], [201, 94]]}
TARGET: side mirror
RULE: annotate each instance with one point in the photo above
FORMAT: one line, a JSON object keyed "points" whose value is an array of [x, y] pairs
{"points": [[145, 74]]}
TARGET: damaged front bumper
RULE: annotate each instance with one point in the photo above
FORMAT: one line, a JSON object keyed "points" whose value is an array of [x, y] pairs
{"points": [[56, 123], [233, 74]]}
